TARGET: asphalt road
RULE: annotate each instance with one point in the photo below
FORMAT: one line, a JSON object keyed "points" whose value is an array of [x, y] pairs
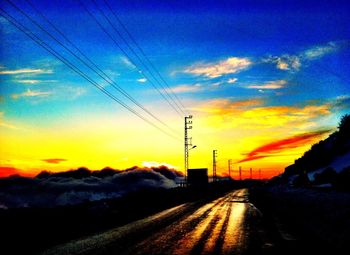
{"points": [[227, 225]]}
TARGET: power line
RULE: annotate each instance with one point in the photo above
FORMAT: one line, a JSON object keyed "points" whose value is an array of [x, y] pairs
{"points": [[142, 53], [137, 56], [108, 80], [104, 76], [64, 60], [128, 56]]}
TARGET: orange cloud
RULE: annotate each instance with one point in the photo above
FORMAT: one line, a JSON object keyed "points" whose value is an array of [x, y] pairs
{"points": [[6, 171], [271, 149], [54, 160], [254, 113], [255, 106], [226, 106]]}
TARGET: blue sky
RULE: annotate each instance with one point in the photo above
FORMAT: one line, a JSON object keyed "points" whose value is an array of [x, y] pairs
{"points": [[288, 58]]}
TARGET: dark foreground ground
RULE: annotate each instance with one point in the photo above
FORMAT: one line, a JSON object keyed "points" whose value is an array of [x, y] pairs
{"points": [[226, 225], [291, 221], [305, 220], [222, 219], [32, 230]]}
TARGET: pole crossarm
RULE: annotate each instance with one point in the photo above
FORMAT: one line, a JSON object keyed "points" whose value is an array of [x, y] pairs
{"points": [[215, 154], [188, 142]]}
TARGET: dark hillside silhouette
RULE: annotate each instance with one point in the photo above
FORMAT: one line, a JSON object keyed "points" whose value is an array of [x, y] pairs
{"points": [[321, 155]]}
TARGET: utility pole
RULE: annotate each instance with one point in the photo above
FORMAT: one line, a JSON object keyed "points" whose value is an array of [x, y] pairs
{"points": [[240, 173], [229, 168], [259, 174], [215, 154], [251, 173], [188, 142]]}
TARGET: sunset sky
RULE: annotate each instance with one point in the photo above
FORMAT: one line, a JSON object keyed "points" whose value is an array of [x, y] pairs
{"points": [[264, 80]]}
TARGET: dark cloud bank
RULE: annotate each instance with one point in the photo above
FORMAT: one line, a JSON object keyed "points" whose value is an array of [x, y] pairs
{"points": [[81, 185]]}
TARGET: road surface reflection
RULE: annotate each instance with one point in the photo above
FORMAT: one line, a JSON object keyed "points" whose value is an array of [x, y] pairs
{"points": [[220, 231], [218, 227]]}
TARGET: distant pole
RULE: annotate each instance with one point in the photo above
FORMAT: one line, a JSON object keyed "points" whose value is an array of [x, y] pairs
{"points": [[215, 154], [259, 174], [188, 142], [229, 168], [251, 173], [240, 173]]}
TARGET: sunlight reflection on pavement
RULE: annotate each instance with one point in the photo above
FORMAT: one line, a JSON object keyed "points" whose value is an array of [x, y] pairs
{"points": [[217, 227]]}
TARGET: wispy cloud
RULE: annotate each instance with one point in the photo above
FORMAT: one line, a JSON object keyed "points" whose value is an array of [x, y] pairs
{"points": [[217, 69], [28, 81], [33, 81], [321, 50], [217, 84], [284, 62], [294, 62], [32, 93], [5, 124], [184, 88], [54, 160], [341, 102], [26, 71], [69, 92], [279, 146], [64, 92], [232, 80], [269, 85], [127, 62], [142, 80]]}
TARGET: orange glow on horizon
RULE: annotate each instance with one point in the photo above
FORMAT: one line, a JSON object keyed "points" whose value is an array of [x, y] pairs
{"points": [[248, 132]]}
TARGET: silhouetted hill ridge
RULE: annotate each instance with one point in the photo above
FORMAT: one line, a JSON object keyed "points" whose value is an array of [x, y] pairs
{"points": [[323, 153]]}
